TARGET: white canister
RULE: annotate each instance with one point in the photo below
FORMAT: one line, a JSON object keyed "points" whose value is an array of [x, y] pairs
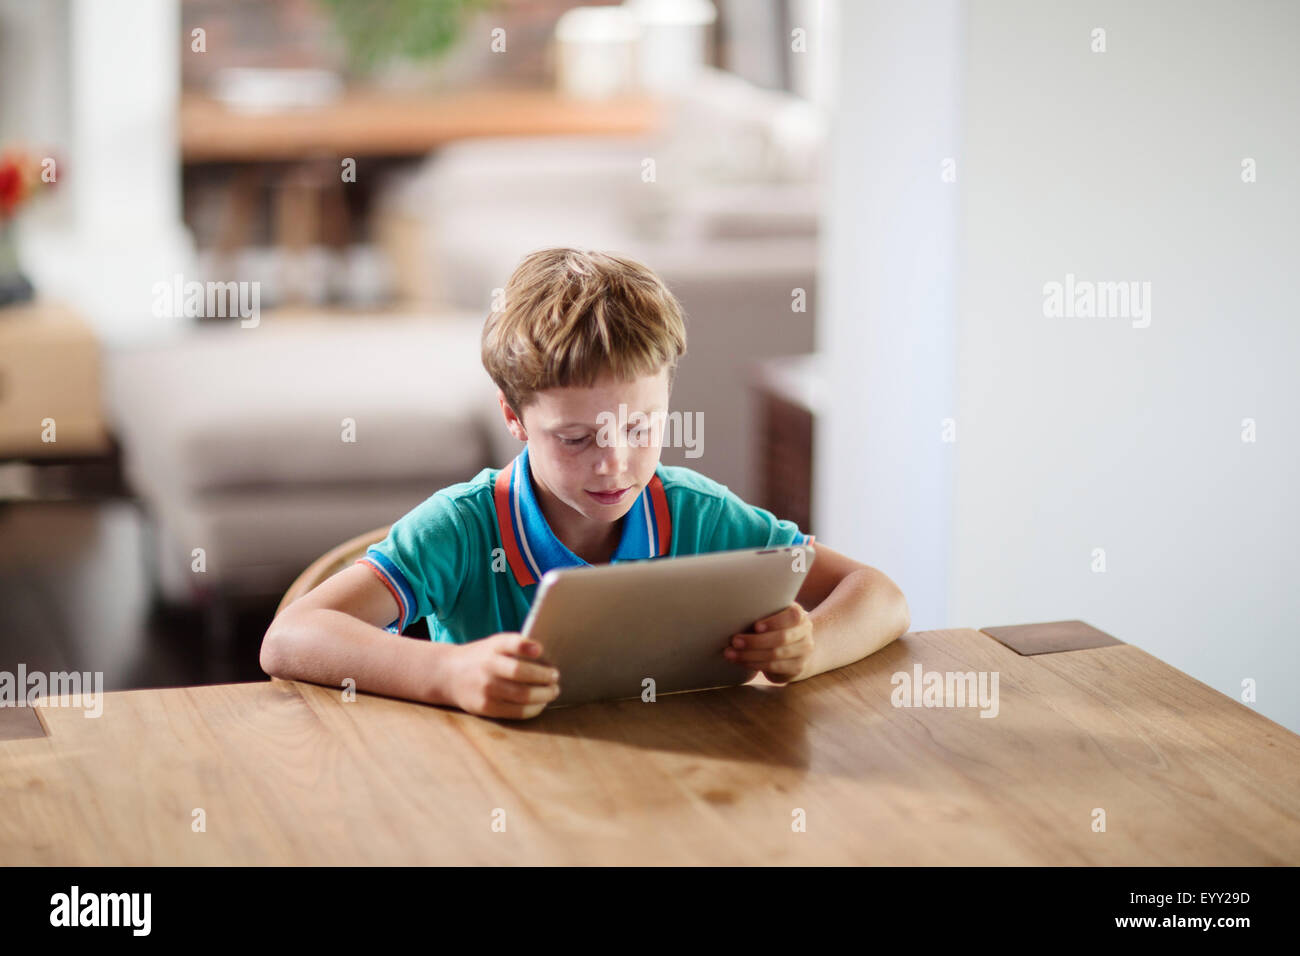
{"points": [[595, 52], [673, 44]]}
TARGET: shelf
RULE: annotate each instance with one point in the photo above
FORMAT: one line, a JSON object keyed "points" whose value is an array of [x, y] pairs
{"points": [[381, 123]]}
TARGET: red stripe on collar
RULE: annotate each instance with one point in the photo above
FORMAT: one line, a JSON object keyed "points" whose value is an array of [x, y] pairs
{"points": [[506, 525], [663, 522]]}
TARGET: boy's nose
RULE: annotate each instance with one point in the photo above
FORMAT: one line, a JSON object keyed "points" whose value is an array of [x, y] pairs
{"points": [[614, 458]]}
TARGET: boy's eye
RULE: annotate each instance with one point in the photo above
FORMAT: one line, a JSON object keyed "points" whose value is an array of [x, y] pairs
{"points": [[573, 441]]}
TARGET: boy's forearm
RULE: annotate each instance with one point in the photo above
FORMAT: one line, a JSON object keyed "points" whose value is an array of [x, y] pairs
{"points": [[864, 613], [325, 646]]}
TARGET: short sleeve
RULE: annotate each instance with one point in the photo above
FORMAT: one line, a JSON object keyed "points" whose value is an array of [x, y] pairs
{"points": [[423, 560], [741, 525]]}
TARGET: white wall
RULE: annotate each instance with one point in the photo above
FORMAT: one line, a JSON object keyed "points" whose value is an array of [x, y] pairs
{"points": [[1074, 434], [888, 297], [1083, 433]]}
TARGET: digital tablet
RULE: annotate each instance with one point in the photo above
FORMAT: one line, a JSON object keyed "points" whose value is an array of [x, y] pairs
{"points": [[610, 627]]}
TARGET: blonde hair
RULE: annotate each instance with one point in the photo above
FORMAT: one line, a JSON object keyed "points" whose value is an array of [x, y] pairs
{"points": [[572, 316]]}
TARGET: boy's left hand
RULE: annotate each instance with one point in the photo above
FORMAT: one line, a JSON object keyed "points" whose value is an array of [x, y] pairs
{"points": [[779, 645]]}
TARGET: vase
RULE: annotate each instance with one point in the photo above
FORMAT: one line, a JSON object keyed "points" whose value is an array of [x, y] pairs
{"points": [[14, 287]]}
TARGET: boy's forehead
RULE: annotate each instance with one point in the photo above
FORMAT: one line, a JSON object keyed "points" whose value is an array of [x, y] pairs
{"points": [[580, 402]]}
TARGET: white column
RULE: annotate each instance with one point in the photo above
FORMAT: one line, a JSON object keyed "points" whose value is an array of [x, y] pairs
{"points": [[884, 484], [121, 169]]}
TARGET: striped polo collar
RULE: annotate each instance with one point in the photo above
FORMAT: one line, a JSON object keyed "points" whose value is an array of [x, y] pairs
{"points": [[531, 546]]}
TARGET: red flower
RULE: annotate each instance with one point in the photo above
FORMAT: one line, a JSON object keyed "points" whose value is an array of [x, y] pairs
{"points": [[11, 187], [20, 177]]}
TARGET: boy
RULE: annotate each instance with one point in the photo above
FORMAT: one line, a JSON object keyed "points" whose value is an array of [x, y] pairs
{"points": [[581, 334]]}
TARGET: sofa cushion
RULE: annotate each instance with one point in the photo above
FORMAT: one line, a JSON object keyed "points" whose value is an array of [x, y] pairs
{"points": [[225, 407], [257, 540]]}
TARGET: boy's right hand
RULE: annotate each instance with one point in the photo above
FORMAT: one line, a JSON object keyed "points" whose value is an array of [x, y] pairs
{"points": [[492, 677]]}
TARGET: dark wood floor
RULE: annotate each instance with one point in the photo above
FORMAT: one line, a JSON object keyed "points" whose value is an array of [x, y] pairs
{"points": [[75, 596]]}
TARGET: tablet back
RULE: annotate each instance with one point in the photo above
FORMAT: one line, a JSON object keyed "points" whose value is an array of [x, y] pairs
{"points": [[609, 627]]}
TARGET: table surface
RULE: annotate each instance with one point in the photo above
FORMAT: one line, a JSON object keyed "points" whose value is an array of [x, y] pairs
{"points": [[376, 122], [291, 773]]}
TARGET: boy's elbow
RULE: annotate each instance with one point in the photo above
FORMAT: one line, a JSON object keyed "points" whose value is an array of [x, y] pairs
{"points": [[273, 655], [904, 614], [899, 614], [888, 594]]}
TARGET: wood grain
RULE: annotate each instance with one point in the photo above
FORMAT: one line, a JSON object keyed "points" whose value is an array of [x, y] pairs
{"points": [[289, 773]]}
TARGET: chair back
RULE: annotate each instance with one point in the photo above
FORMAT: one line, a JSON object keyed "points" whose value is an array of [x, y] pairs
{"points": [[330, 563]]}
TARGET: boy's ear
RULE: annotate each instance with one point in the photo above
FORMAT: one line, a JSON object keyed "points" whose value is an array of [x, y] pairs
{"points": [[513, 421]]}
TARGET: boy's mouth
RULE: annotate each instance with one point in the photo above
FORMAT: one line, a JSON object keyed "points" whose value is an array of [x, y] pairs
{"points": [[610, 497]]}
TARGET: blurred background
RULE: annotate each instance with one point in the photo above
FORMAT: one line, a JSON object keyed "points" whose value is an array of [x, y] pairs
{"points": [[246, 250]]}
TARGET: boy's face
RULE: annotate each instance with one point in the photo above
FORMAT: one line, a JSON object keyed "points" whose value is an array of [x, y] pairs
{"points": [[579, 445]]}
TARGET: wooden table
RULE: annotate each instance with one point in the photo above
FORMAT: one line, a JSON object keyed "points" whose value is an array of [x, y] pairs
{"points": [[290, 773]]}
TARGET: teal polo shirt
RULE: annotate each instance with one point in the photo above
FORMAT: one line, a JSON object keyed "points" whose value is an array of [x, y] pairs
{"points": [[469, 557]]}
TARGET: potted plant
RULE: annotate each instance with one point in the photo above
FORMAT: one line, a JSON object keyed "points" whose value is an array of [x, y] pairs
{"points": [[384, 34]]}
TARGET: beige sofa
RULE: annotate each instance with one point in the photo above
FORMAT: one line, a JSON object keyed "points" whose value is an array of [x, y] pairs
{"points": [[266, 446]]}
